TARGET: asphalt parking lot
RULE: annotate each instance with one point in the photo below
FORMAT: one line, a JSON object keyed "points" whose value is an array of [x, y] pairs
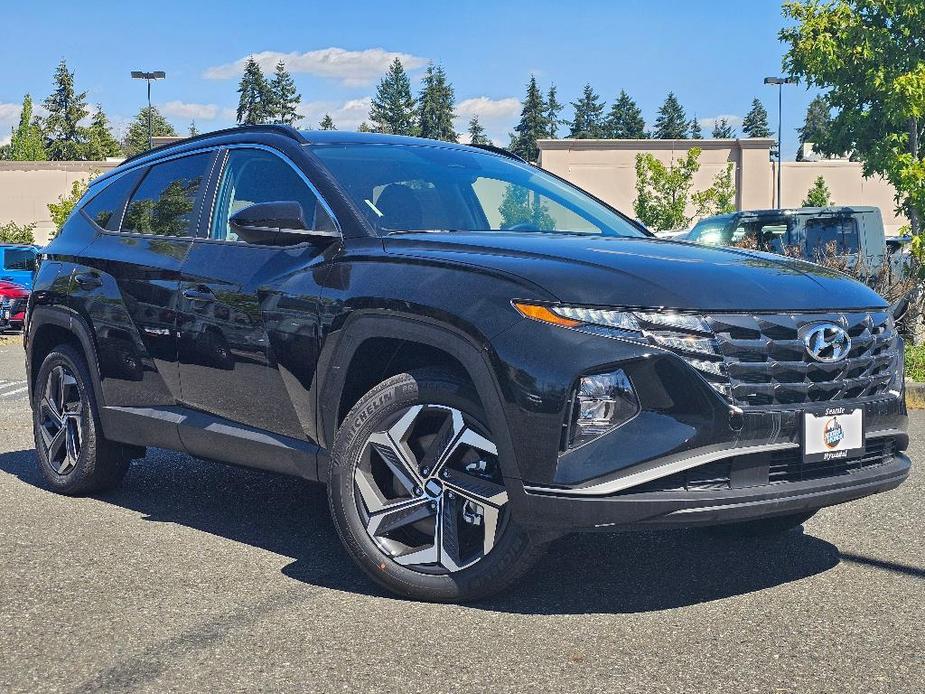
{"points": [[199, 577]]}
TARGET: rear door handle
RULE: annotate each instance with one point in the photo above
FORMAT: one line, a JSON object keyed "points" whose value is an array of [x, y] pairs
{"points": [[199, 295], [88, 280]]}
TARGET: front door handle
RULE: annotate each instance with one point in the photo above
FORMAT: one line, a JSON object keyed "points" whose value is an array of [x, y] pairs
{"points": [[88, 280], [203, 295]]}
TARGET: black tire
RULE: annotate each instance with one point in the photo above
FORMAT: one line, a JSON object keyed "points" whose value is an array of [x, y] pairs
{"points": [[94, 464], [763, 527], [513, 551]]}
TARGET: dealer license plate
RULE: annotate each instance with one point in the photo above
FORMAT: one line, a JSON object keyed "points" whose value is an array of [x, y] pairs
{"points": [[837, 432]]}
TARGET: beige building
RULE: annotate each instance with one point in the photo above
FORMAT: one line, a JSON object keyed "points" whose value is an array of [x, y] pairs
{"points": [[606, 168]]}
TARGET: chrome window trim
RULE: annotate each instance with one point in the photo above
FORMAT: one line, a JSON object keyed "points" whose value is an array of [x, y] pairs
{"points": [[153, 161], [635, 476]]}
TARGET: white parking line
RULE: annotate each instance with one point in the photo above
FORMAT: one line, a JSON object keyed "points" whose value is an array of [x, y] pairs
{"points": [[16, 386]]}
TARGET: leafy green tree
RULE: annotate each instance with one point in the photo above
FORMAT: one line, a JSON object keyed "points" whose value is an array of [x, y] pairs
{"points": [[65, 138], [285, 98], [393, 108], [518, 206], [100, 142], [365, 127], [5, 151], [587, 122], [136, 137], [553, 109], [662, 192], [27, 143], [755, 123], [436, 103], [256, 103], [816, 125], [16, 233], [62, 209], [625, 121], [870, 56], [818, 195], [671, 123], [327, 123], [532, 125], [193, 130], [696, 131], [722, 130], [719, 198], [477, 134]]}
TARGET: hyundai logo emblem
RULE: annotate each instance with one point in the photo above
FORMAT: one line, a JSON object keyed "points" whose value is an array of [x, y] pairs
{"points": [[826, 342]]}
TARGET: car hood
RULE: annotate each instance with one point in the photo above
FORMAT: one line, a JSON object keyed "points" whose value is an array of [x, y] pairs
{"points": [[644, 272]]}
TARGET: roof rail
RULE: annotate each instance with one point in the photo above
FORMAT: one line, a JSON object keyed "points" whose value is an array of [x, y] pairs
{"points": [[279, 129], [503, 152]]}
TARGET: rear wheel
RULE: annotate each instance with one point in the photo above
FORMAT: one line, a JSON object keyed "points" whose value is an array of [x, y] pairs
{"points": [[762, 527], [72, 455], [417, 494]]}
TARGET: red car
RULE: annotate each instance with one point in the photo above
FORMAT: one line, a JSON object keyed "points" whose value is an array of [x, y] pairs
{"points": [[13, 298]]}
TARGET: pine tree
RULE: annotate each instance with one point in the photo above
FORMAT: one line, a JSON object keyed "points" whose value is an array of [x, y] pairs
{"points": [[136, 138], [286, 99], [477, 134], [437, 101], [100, 142], [393, 108], [532, 125], [589, 114], [256, 102], [365, 127], [327, 123], [671, 123], [65, 138], [193, 130], [816, 124], [696, 132], [818, 195], [27, 144], [756, 121], [722, 130], [625, 121], [553, 109]]}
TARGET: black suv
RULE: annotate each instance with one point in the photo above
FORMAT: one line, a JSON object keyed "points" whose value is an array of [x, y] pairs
{"points": [[473, 354]]}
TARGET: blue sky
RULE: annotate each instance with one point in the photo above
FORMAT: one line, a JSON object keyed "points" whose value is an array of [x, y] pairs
{"points": [[713, 55]]}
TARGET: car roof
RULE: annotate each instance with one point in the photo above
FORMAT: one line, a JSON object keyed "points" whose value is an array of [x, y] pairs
{"points": [[273, 132]]}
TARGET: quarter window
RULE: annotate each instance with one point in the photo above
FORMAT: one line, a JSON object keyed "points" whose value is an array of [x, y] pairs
{"points": [[165, 202], [253, 176], [19, 259], [105, 209]]}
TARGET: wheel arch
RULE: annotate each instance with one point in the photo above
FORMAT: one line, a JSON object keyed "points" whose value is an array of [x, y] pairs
{"points": [[372, 346]]}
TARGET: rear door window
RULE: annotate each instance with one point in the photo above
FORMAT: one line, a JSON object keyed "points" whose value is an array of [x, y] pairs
{"points": [[825, 235], [166, 202], [19, 259]]}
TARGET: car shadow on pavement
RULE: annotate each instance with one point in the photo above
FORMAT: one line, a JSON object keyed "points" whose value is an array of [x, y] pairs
{"points": [[589, 573]]}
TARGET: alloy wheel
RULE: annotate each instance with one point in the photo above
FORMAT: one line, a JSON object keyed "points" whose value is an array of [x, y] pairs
{"points": [[430, 491], [61, 420]]}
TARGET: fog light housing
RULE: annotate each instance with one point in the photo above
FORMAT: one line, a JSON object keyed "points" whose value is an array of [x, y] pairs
{"points": [[601, 402]]}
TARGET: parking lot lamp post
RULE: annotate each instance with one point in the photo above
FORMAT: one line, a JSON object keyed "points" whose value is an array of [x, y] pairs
{"points": [[780, 82], [149, 77]]}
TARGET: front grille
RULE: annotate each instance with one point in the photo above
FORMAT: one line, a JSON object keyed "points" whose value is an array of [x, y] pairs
{"points": [[18, 306], [757, 469], [759, 360]]}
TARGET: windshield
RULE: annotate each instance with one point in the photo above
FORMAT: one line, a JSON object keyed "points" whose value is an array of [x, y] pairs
{"points": [[714, 231], [423, 188]]}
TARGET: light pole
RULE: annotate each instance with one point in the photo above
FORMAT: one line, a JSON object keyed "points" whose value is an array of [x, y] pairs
{"points": [[780, 82], [149, 77]]}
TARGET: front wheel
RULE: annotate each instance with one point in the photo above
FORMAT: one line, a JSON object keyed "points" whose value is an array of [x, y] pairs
{"points": [[417, 494]]}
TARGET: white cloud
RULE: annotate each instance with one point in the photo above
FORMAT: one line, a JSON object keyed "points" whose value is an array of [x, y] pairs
{"points": [[189, 111], [9, 117], [497, 116], [347, 115], [709, 123], [353, 68]]}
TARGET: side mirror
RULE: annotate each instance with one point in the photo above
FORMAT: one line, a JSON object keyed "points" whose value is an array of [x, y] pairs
{"points": [[278, 223]]}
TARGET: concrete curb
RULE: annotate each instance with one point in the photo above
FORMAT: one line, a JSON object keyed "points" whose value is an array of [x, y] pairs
{"points": [[915, 394]]}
